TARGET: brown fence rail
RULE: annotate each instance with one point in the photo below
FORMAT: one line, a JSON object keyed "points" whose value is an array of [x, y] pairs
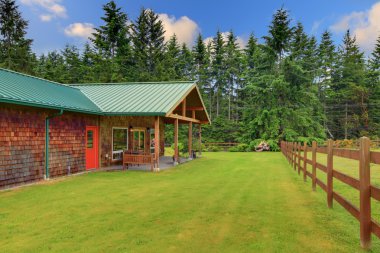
{"points": [[292, 151]]}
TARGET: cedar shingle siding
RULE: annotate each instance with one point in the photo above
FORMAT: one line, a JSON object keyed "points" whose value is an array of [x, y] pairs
{"points": [[22, 144]]}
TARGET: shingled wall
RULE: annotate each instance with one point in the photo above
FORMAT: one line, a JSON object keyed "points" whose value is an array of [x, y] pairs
{"points": [[22, 143]]}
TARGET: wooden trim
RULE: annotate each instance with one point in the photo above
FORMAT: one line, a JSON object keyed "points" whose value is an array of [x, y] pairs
{"points": [[181, 99], [190, 141], [193, 108], [184, 107], [179, 117], [176, 153], [157, 141]]}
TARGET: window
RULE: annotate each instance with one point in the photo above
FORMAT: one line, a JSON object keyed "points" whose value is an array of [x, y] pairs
{"points": [[119, 142], [90, 139]]}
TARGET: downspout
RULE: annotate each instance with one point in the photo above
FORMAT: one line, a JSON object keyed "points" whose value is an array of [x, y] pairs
{"points": [[47, 140]]}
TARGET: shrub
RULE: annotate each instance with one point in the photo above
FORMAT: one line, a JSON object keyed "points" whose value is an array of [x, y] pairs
{"points": [[240, 148], [213, 149], [180, 146]]}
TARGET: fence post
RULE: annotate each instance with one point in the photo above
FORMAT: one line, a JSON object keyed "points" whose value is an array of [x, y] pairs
{"points": [[299, 158], [295, 155], [330, 173], [314, 161], [365, 193], [304, 160]]}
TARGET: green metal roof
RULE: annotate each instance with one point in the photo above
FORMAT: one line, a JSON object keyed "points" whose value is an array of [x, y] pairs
{"points": [[17, 88], [155, 98], [150, 98]]}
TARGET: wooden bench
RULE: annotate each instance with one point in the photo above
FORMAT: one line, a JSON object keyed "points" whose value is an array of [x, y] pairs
{"points": [[138, 158]]}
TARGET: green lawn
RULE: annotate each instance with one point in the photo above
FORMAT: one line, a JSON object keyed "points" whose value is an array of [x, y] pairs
{"points": [[224, 202]]}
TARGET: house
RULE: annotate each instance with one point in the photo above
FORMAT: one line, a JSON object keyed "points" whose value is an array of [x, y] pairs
{"points": [[89, 126]]}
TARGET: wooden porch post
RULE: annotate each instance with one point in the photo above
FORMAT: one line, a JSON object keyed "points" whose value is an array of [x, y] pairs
{"points": [[190, 147], [157, 142], [176, 153], [200, 139]]}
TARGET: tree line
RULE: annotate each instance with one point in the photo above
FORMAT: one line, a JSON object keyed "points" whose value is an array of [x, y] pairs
{"points": [[287, 85]]}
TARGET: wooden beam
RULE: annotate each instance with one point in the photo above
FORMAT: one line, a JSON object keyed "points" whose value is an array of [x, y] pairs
{"points": [[190, 139], [200, 140], [176, 153], [157, 141], [192, 108], [184, 108], [184, 118], [193, 114]]}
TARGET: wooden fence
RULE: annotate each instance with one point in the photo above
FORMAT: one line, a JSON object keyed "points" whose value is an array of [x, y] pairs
{"points": [[292, 151], [222, 145]]}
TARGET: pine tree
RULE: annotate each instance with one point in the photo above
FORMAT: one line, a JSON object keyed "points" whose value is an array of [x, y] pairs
{"points": [[172, 61], [15, 49], [87, 64], [148, 41], [185, 63], [326, 56], [218, 69], [201, 64], [348, 86], [373, 84], [233, 73], [280, 32], [72, 65], [112, 37]]}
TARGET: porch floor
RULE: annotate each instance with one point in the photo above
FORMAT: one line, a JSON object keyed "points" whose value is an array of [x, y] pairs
{"points": [[166, 162]]}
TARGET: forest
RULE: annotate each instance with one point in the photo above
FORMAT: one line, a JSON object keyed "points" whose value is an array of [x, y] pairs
{"points": [[287, 85]]}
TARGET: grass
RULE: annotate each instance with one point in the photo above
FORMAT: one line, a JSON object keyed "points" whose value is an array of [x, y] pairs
{"points": [[224, 202]]}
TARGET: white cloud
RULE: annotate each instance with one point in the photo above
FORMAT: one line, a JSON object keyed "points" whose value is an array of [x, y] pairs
{"points": [[80, 30], [50, 8], [364, 24], [184, 28], [316, 26], [239, 40], [46, 17]]}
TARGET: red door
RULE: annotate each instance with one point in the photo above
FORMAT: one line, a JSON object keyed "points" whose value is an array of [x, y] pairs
{"points": [[92, 147]]}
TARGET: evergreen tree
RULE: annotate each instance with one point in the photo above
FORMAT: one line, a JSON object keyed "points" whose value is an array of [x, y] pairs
{"points": [[373, 84], [218, 70], [172, 59], [148, 40], [185, 62], [233, 74], [326, 56], [348, 87], [201, 63], [280, 32], [112, 37], [15, 49], [72, 65]]}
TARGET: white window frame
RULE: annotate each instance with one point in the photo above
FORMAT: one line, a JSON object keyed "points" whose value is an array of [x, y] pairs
{"points": [[119, 151]]}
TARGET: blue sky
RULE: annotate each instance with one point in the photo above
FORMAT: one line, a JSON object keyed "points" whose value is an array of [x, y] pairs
{"points": [[54, 23]]}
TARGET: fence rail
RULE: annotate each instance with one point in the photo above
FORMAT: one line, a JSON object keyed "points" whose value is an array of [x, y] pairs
{"points": [[292, 151]]}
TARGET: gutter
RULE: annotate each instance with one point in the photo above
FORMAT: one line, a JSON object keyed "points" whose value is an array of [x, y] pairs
{"points": [[47, 141]]}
